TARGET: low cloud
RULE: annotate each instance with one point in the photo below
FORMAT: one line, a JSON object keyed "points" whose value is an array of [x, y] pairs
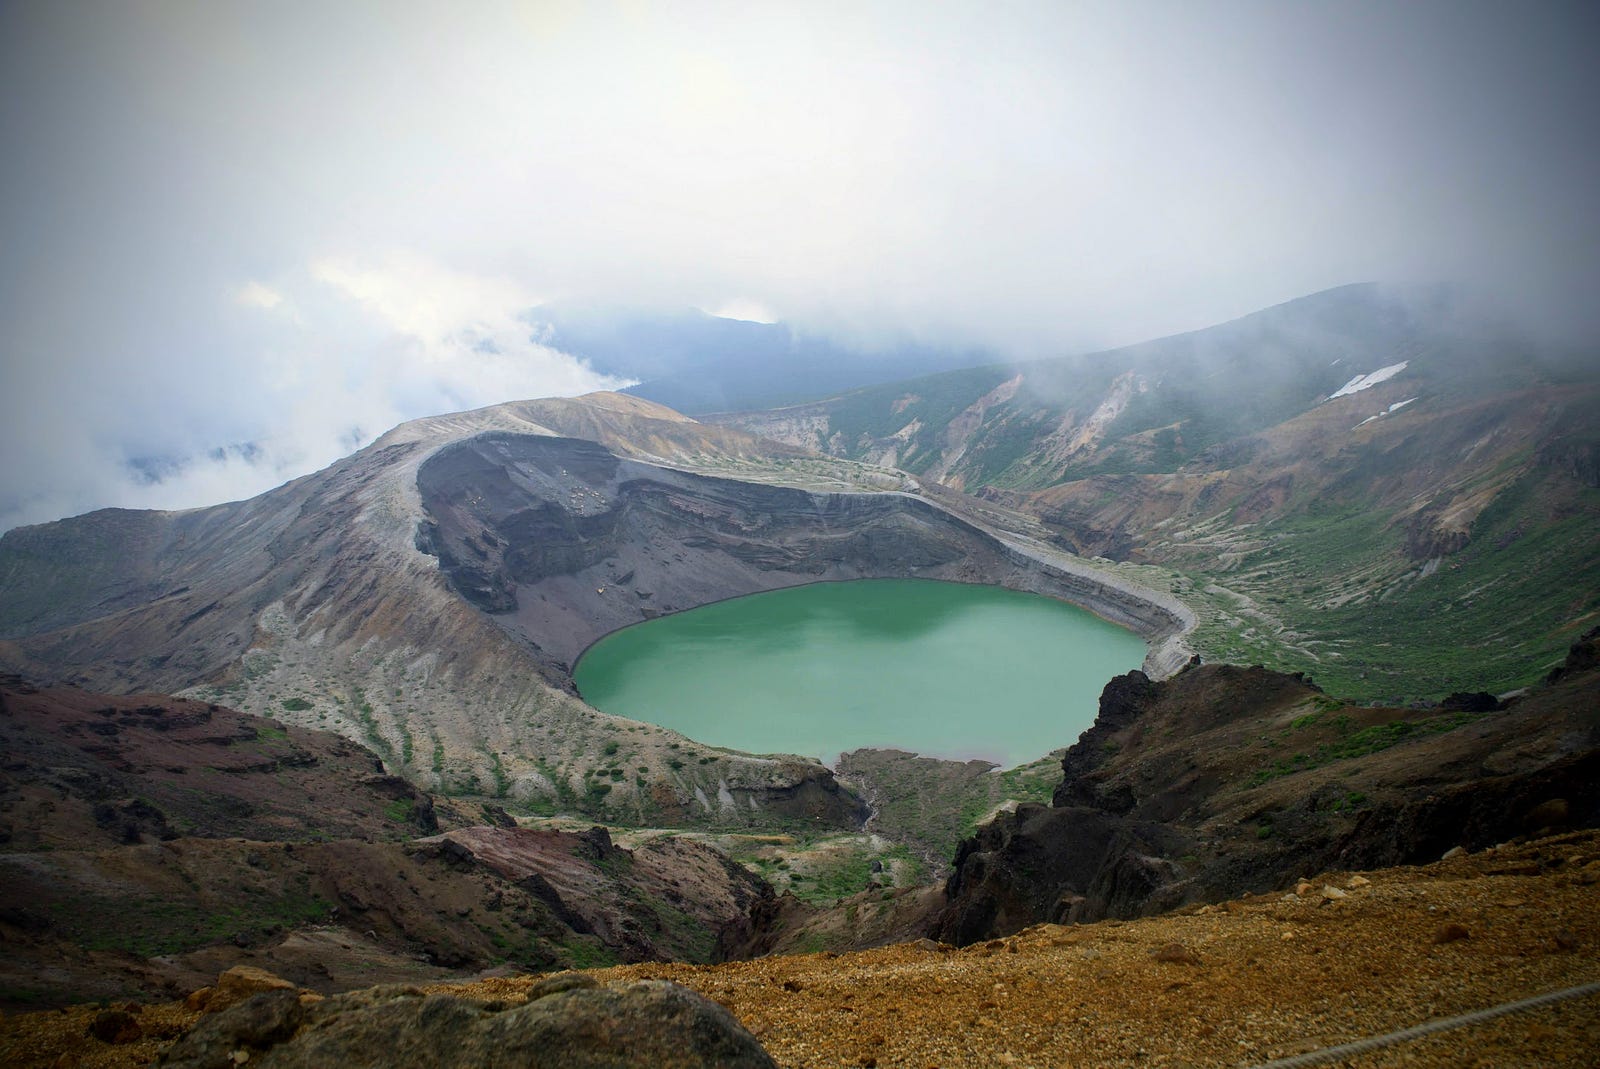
{"points": [[743, 309], [255, 295], [203, 202], [342, 351]]}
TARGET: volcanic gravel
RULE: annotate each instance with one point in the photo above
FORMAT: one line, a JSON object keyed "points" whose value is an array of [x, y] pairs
{"points": [[1339, 957]]}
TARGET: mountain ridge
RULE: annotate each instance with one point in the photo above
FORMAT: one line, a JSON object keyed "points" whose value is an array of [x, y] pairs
{"points": [[1310, 479]]}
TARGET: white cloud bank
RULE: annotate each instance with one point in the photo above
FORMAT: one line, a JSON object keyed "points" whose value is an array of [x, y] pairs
{"points": [[202, 201], [346, 350], [743, 308]]}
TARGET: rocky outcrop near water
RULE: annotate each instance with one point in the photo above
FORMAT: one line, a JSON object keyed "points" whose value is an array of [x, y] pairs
{"points": [[312, 604], [1225, 780]]}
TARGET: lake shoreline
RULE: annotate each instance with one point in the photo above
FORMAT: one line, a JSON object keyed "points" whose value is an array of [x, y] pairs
{"points": [[895, 664]]}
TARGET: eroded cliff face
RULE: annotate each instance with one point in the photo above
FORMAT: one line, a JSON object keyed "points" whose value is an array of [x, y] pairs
{"points": [[561, 542], [1224, 780]]}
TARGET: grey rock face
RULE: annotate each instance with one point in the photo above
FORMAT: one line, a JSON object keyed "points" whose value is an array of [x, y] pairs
{"points": [[562, 542]]}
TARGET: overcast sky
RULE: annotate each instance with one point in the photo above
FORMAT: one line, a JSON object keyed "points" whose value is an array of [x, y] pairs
{"points": [[295, 224]]}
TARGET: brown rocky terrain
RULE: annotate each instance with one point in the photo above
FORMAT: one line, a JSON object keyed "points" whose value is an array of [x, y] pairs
{"points": [[1333, 958], [88, 771], [217, 838], [1204, 804], [1222, 780], [151, 841]]}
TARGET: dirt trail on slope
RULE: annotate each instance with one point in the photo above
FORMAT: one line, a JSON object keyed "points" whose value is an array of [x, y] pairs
{"points": [[1342, 957]]}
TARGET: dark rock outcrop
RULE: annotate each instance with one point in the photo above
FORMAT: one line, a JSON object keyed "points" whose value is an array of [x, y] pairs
{"points": [[564, 542], [1225, 780], [649, 1023], [1474, 702], [669, 899], [1059, 865], [1583, 656]]}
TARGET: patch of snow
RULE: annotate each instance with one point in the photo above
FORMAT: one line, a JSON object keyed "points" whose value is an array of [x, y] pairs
{"points": [[1397, 406], [1362, 382]]}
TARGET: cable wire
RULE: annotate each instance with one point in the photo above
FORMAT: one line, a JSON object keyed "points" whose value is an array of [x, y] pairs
{"points": [[1364, 1046]]}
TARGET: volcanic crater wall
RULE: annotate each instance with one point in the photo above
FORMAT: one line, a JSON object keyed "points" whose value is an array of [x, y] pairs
{"points": [[562, 543]]}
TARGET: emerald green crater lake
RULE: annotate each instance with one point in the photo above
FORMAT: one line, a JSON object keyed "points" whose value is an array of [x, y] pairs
{"points": [[942, 669]]}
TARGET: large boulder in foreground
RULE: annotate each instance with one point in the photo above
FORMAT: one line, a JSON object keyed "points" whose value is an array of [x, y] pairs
{"points": [[650, 1023]]}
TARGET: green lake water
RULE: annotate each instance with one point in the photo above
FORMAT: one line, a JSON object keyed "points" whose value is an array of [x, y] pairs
{"points": [[942, 669]]}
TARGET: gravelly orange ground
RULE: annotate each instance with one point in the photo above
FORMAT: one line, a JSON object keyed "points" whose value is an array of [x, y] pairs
{"points": [[1246, 981]]}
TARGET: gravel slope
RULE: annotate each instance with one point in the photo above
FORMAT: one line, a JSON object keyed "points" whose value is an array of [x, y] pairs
{"points": [[1230, 984]]}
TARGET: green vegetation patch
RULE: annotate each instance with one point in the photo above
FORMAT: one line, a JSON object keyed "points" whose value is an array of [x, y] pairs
{"points": [[400, 810], [587, 952], [1347, 605], [153, 926], [1359, 743], [932, 805]]}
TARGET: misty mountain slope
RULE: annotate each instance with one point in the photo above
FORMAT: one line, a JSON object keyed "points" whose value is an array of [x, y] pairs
{"points": [[1394, 494], [1444, 544], [697, 363], [1145, 407]]}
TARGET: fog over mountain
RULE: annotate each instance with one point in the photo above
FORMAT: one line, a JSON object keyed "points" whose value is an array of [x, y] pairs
{"points": [[241, 240]]}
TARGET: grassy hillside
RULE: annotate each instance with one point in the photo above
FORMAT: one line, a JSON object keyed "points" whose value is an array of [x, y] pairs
{"points": [[1332, 593]]}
